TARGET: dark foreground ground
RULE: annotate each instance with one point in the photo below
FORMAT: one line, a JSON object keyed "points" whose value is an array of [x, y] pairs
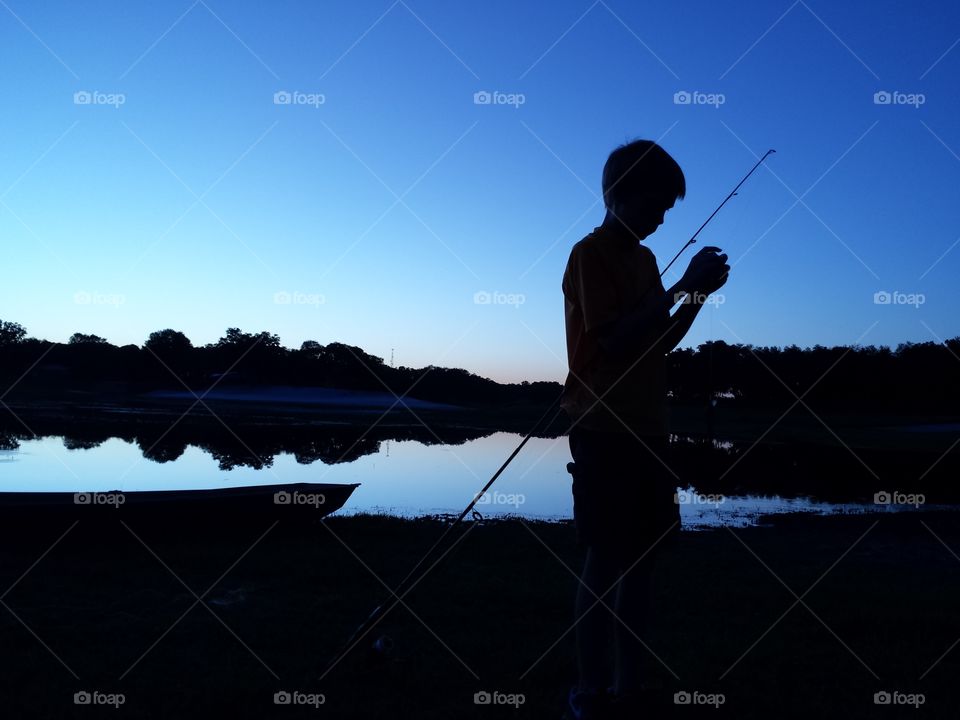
{"points": [[117, 612]]}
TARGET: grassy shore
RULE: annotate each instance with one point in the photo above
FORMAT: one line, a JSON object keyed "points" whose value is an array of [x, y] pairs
{"points": [[115, 612]]}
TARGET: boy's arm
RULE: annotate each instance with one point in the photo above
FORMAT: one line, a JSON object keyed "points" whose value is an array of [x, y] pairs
{"points": [[636, 332], [633, 333], [680, 323]]}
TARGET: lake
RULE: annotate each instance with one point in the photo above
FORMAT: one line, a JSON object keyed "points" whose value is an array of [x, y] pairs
{"points": [[399, 477]]}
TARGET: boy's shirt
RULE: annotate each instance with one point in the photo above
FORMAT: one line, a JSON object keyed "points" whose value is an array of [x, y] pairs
{"points": [[605, 278]]}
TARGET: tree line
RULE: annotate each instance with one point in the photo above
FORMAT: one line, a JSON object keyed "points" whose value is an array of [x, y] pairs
{"points": [[914, 377], [169, 360]]}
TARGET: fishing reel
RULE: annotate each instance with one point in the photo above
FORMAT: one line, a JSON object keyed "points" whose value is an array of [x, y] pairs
{"points": [[380, 649]]}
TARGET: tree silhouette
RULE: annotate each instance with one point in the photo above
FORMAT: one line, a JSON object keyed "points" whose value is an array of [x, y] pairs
{"points": [[170, 343], [172, 350], [11, 333], [236, 338], [83, 339]]}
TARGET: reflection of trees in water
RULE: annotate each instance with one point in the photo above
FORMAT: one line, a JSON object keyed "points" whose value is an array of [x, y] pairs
{"points": [[832, 473], [729, 468], [334, 449], [162, 451], [75, 443], [240, 457], [239, 445]]}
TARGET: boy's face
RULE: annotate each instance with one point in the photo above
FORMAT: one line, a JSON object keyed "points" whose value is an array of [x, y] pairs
{"points": [[643, 213]]}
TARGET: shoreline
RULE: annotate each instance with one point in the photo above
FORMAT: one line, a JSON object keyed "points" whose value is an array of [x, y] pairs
{"points": [[501, 602]]}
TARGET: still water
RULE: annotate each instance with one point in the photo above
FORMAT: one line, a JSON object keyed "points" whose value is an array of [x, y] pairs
{"points": [[401, 477]]}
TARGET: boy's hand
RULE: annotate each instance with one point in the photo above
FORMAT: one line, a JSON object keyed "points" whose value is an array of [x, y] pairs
{"points": [[718, 282], [707, 271]]}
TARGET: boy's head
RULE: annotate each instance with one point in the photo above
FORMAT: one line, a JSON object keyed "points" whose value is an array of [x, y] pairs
{"points": [[640, 183]]}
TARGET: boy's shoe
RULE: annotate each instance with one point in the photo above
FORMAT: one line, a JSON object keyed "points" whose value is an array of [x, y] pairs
{"points": [[589, 705]]}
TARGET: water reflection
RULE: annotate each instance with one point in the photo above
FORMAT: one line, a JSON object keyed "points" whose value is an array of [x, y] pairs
{"points": [[253, 447], [413, 471]]}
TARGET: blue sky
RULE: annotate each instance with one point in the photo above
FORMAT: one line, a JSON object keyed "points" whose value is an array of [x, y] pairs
{"points": [[373, 207]]}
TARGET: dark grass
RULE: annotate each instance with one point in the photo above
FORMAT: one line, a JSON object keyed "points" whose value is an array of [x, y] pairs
{"points": [[484, 619]]}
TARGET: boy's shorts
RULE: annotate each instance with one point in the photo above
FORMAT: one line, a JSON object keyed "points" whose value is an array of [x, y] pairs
{"points": [[624, 497]]}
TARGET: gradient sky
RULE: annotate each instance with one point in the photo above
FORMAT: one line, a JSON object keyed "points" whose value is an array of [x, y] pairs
{"points": [[384, 209]]}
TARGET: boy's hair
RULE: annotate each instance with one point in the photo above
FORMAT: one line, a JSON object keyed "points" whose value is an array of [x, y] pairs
{"points": [[641, 166]]}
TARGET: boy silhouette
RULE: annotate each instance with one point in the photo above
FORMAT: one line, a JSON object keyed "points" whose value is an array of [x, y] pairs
{"points": [[619, 331]]}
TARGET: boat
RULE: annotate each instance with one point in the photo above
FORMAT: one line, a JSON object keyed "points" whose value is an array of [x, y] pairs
{"points": [[213, 507]]}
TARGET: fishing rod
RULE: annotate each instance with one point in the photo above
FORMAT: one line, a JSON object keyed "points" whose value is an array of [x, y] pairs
{"points": [[711, 401], [383, 644], [733, 192]]}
